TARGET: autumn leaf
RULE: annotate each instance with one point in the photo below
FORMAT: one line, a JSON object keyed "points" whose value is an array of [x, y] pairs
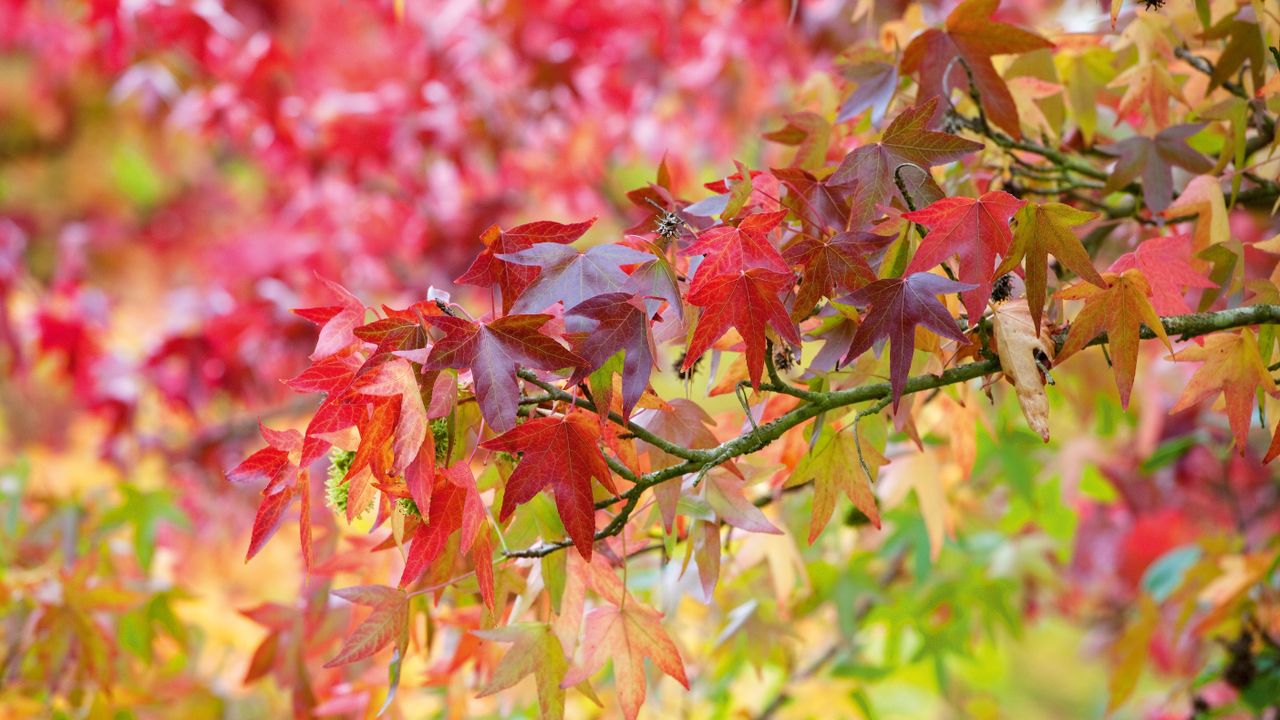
{"points": [[561, 453], [1163, 261], [1232, 366], [569, 276], [627, 635], [1153, 158], [396, 378], [1121, 310], [535, 650], [337, 322], [1025, 352], [493, 352], [268, 519], [976, 231], [834, 467], [1038, 231], [737, 284], [896, 307], [490, 270], [874, 75], [456, 507], [1245, 44], [907, 141], [832, 265], [973, 37], [612, 323], [388, 622]]}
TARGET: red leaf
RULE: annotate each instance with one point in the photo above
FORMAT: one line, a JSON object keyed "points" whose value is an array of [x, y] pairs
{"points": [[388, 622], [972, 36], [609, 323], [489, 270], [1164, 263], [897, 306], [562, 454], [976, 230], [267, 521], [493, 352], [336, 333], [569, 276]]}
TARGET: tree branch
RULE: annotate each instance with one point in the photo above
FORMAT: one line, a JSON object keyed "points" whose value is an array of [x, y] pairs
{"points": [[701, 461]]}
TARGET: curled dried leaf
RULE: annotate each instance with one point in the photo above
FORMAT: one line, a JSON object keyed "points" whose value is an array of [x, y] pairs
{"points": [[1024, 354]]}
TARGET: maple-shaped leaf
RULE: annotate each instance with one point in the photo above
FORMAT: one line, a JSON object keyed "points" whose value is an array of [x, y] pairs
{"points": [[1164, 263], [561, 453], [535, 650], [570, 276], [907, 141], [729, 249], [1121, 309], [832, 265], [615, 322], [1153, 158], [1245, 44], [685, 423], [455, 507], [976, 231], [874, 75], [388, 622], [737, 284], [337, 322], [271, 463], [832, 464], [749, 303], [1040, 230], [822, 205], [493, 352], [1233, 366], [490, 270], [397, 378], [896, 307], [970, 35], [627, 635]]}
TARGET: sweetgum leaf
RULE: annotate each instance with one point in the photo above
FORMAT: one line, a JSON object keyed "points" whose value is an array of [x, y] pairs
{"points": [[1121, 310], [560, 453], [493, 352], [972, 36], [896, 307], [976, 231]]}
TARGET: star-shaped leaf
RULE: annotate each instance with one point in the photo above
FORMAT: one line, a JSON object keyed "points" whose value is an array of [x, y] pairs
{"points": [[875, 78], [972, 36], [897, 306], [493, 352], [975, 230], [747, 302], [1245, 44], [570, 276], [1121, 310], [611, 323], [535, 650], [1164, 263], [627, 635], [455, 507], [1039, 231], [489, 270], [832, 464], [1233, 366], [561, 453], [388, 622], [907, 141], [1153, 158], [832, 264]]}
